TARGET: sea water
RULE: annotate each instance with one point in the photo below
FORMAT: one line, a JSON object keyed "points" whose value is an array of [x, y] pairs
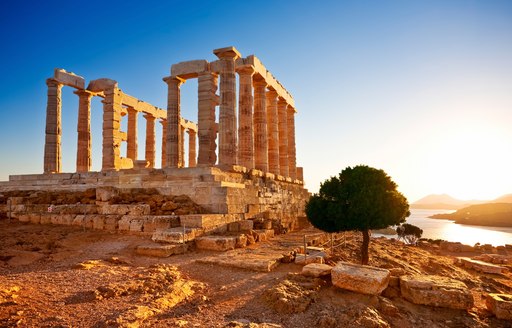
{"points": [[450, 231]]}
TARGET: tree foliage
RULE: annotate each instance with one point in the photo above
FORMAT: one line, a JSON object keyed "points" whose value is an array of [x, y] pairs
{"points": [[359, 198], [409, 233]]}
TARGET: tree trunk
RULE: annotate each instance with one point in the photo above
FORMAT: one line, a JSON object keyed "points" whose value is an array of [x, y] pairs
{"points": [[364, 246]]}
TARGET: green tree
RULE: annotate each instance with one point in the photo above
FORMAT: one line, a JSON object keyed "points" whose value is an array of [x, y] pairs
{"points": [[360, 198], [409, 233]]}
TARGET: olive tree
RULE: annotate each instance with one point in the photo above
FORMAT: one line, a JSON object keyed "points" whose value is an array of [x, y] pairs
{"points": [[359, 198]]}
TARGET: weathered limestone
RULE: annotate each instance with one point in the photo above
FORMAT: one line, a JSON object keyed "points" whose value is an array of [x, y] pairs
{"points": [[273, 132], [227, 112], [360, 278], [173, 121], [260, 125], [83, 149], [68, 78], [500, 305], [216, 243], [283, 137], [207, 100], [52, 146], [182, 147], [292, 162], [164, 142], [436, 291], [111, 125], [245, 118], [192, 157], [150, 139], [132, 146], [316, 270], [481, 266]]}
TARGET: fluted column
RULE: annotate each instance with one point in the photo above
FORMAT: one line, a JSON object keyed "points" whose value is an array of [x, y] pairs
{"points": [[283, 137], [207, 100], [260, 125], [182, 146], [132, 144], [111, 124], [192, 162], [150, 139], [164, 142], [52, 145], [83, 149], [273, 132], [292, 161], [245, 118], [173, 121], [227, 112]]}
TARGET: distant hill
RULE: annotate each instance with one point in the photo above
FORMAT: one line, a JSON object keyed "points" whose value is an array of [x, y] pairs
{"points": [[504, 199], [442, 201], [489, 214]]}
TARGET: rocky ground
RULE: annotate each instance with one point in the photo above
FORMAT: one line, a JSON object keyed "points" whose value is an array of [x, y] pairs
{"points": [[61, 276]]}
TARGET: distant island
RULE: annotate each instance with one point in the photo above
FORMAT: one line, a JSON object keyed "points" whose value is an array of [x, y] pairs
{"points": [[442, 201], [488, 214]]}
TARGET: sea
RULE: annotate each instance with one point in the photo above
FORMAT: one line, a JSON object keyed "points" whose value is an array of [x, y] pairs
{"points": [[450, 231]]}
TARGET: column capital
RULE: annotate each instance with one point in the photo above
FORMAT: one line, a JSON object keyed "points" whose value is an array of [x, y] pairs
{"points": [[291, 109], [174, 80], [271, 93], [83, 92], [282, 102], [246, 70], [51, 82], [149, 116], [227, 53], [259, 81]]}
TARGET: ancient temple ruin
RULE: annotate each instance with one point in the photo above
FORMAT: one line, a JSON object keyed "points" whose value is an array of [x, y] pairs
{"points": [[241, 164]]}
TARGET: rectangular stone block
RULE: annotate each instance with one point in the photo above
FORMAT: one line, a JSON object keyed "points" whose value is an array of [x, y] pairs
{"points": [[216, 243], [360, 278], [436, 291], [189, 69], [69, 79]]}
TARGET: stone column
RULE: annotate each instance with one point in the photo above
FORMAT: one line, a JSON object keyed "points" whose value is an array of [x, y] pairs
{"points": [[292, 161], [207, 100], [150, 139], [111, 124], [182, 146], [273, 132], [173, 121], [164, 142], [192, 162], [52, 145], [283, 137], [227, 113], [83, 149], [260, 125], [245, 118], [132, 144]]}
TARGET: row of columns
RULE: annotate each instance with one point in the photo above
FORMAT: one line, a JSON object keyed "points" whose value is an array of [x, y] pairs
{"points": [[265, 138], [112, 136]]}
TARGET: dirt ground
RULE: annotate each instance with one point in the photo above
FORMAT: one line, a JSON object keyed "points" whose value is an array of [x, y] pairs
{"points": [[61, 276]]}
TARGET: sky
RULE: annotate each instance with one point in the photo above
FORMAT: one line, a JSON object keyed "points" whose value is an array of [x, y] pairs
{"points": [[420, 89]]}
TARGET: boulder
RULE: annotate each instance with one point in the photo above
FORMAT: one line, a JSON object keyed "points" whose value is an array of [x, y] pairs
{"points": [[316, 270], [481, 266], [436, 291], [360, 278], [500, 305]]}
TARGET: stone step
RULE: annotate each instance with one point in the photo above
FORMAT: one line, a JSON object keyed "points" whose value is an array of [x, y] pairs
{"points": [[176, 235], [159, 250]]}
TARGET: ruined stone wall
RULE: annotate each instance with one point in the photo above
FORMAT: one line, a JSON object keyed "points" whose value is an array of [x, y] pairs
{"points": [[247, 194]]}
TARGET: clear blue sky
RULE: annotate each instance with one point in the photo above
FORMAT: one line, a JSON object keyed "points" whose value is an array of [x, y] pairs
{"points": [[421, 89]]}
